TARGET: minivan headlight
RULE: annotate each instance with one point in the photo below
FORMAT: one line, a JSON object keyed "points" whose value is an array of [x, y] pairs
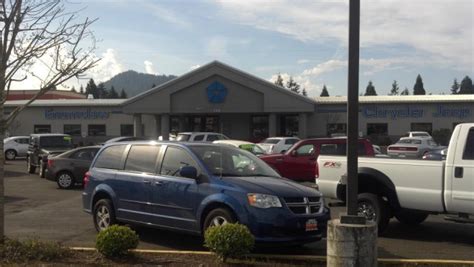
{"points": [[263, 201]]}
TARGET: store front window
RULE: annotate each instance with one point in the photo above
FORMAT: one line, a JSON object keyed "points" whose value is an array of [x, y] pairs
{"points": [[425, 127], [258, 128], [377, 129], [72, 129], [126, 129], [41, 128], [96, 130], [336, 128], [289, 125]]}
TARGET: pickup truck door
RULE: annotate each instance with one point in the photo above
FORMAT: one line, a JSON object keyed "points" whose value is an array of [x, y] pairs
{"points": [[462, 174]]}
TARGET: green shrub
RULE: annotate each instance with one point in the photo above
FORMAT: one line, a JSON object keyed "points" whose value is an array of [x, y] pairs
{"points": [[116, 240], [229, 240], [15, 251]]}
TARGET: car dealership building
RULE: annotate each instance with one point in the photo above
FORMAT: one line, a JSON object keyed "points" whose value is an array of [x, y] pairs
{"points": [[220, 98]]}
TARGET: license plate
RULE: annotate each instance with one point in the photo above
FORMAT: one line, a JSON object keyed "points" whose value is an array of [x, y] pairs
{"points": [[311, 225], [401, 155]]}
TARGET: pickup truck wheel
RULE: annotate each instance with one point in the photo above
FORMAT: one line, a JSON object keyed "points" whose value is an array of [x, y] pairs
{"points": [[218, 217], [374, 209], [29, 167], [104, 214], [411, 217]]}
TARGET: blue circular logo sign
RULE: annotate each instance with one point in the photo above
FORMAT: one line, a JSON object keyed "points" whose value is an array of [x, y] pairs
{"points": [[216, 92]]}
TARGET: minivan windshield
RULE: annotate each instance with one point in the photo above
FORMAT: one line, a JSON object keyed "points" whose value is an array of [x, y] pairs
{"points": [[229, 161], [56, 141]]}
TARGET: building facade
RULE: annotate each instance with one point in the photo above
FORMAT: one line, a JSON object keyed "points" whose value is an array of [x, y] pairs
{"points": [[220, 98]]}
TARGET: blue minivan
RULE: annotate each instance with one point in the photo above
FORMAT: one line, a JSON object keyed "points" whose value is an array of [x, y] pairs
{"points": [[189, 187]]}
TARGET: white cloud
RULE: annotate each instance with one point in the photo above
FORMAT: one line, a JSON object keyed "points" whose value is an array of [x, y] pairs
{"points": [[304, 82], [195, 67], [149, 67], [107, 67], [443, 30], [328, 66]]}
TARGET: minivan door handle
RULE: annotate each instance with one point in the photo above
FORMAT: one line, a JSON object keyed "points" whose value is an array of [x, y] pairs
{"points": [[458, 172]]}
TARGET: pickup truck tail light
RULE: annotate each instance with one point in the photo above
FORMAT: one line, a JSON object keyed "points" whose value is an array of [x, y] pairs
{"points": [[86, 179], [403, 149]]}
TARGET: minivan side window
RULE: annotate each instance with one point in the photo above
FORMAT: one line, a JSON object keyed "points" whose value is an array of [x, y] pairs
{"points": [[305, 150], [469, 148], [199, 137], [110, 158], [174, 159], [142, 158]]}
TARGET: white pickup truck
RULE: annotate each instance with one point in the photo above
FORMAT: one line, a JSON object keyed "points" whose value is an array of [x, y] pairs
{"points": [[410, 190]]}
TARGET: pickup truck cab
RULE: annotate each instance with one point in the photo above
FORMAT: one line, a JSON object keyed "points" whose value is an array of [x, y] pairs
{"points": [[409, 190], [299, 162]]}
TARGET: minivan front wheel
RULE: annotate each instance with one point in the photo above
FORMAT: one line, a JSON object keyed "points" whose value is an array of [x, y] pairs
{"points": [[104, 215], [218, 217]]}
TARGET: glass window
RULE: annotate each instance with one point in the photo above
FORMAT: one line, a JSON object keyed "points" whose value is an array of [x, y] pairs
{"points": [[183, 137], [199, 137], [409, 141], [424, 127], [126, 129], [469, 148], [271, 141], [252, 148], [72, 129], [110, 158], [289, 125], [213, 137], [377, 129], [56, 141], [259, 127], [96, 130], [336, 128], [142, 158], [340, 149], [174, 159], [22, 141], [291, 141], [305, 150], [85, 154], [41, 128]]}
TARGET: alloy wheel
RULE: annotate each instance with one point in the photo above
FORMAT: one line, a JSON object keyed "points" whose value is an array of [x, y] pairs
{"points": [[103, 217], [65, 180], [218, 221]]}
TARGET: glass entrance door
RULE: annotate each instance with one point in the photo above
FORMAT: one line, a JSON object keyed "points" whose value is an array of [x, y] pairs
{"points": [[204, 124]]}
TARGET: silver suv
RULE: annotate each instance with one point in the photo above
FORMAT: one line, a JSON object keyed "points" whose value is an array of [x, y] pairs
{"points": [[200, 137]]}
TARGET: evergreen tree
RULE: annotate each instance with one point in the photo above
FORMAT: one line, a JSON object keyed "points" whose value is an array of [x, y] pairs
{"points": [[81, 90], [418, 88], [405, 91], [466, 86], [102, 91], [91, 88], [324, 92], [73, 90], [279, 80], [293, 86], [395, 88], [123, 94], [370, 90], [455, 87], [303, 92], [113, 94]]}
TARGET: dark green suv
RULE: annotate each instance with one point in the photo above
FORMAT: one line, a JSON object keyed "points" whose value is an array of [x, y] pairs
{"points": [[44, 145]]}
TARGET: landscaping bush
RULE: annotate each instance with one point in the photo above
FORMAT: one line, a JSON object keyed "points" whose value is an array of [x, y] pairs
{"points": [[116, 241], [229, 240], [14, 251]]}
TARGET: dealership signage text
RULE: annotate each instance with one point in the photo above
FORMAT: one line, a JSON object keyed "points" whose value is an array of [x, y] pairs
{"points": [[414, 112], [88, 114]]}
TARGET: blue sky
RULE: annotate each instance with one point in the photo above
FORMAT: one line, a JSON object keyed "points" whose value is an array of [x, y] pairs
{"points": [[304, 39]]}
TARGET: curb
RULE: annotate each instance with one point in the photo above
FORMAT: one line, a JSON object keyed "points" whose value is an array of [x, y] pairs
{"points": [[293, 257]]}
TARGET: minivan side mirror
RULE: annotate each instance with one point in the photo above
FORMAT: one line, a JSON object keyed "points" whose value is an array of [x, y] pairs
{"points": [[293, 153], [188, 172]]}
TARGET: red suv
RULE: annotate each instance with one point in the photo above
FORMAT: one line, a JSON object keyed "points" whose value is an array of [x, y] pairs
{"points": [[299, 162]]}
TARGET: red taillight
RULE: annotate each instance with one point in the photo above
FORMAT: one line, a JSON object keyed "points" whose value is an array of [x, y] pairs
{"points": [[50, 163], [86, 179]]}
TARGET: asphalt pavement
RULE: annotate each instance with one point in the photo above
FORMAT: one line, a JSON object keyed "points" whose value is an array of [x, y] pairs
{"points": [[36, 208]]}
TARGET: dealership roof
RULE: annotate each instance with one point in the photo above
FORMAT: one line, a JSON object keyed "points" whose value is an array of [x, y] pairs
{"points": [[390, 99], [67, 102]]}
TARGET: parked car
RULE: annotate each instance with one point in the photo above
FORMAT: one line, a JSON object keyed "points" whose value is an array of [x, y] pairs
{"points": [[200, 137], [15, 146], [412, 147], [189, 187], [68, 169], [439, 154], [44, 145], [126, 139], [275, 145], [299, 162], [419, 134], [409, 189], [251, 147]]}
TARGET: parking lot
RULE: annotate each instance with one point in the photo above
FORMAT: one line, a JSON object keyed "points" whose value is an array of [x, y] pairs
{"points": [[35, 207]]}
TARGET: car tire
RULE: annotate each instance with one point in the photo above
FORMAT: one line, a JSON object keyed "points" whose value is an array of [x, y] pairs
{"points": [[411, 217], [10, 154], [103, 214], [219, 216], [29, 167], [374, 209], [65, 180]]}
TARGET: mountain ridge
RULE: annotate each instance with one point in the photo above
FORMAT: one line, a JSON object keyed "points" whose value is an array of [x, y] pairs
{"points": [[134, 83]]}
